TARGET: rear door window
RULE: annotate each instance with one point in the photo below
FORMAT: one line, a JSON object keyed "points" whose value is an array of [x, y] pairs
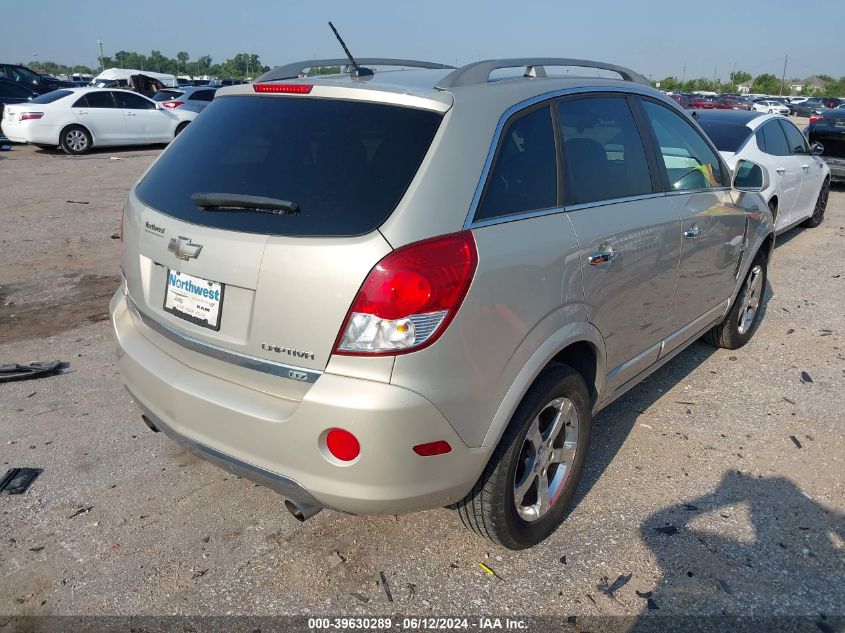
{"points": [[602, 149], [202, 95], [101, 99], [524, 174], [690, 162], [346, 164], [774, 140]]}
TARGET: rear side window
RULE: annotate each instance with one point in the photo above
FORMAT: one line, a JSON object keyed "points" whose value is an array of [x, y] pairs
{"points": [[202, 95], [50, 97], [524, 176], [603, 152], [346, 164], [773, 139], [797, 144], [102, 99], [690, 163], [13, 91]]}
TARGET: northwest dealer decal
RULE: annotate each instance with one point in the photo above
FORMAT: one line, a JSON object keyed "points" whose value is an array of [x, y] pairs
{"points": [[190, 287], [149, 227]]}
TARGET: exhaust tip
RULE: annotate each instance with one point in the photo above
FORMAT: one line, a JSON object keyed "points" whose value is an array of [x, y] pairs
{"points": [[301, 511], [149, 424]]}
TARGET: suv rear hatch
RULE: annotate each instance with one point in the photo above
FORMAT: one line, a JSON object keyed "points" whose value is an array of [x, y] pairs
{"points": [[258, 295]]}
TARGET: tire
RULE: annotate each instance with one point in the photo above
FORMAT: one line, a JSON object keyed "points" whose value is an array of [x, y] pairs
{"points": [[733, 333], [180, 127], [556, 411], [821, 205], [76, 140]]}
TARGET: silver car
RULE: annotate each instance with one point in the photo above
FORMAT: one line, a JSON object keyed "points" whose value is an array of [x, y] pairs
{"points": [[381, 292]]}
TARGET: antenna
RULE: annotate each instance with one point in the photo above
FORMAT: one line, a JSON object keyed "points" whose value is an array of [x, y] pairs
{"points": [[357, 71]]}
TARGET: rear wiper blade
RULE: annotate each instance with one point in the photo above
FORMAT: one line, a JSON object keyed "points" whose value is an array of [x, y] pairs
{"points": [[238, 202]]}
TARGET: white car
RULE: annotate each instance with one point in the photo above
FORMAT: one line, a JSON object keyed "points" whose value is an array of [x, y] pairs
{"points": [[799, 180], [78, 119], [770, 107]]}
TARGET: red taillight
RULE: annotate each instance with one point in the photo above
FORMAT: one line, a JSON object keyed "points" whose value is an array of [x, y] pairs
{"points": [[171, 104], [813, 119], [342, 445], [409, 297], [440, 447], [29, 116], [298, 89]]}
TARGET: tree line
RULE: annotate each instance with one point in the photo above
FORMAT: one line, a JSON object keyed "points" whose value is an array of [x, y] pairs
{"points": [[766, 84], [241, 66]]}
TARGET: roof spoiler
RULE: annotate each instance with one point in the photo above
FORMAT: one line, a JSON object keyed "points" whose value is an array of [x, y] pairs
{"points": [[295, 69], [479, 72]]}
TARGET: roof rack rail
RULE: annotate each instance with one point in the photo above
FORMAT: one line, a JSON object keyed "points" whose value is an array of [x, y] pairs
{"points": [[293, 70], [479, 72]]}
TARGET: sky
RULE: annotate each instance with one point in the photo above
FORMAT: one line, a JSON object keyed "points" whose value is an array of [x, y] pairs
{"points": [[654, 37]]}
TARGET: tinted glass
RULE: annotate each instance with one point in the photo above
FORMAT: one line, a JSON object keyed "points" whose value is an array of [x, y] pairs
{"points": [[602, 149], [167, 95], [345, 163], [690, 163], [132, 101], [524, 176], [50, 97], [202, 95], [13, 91], [101, 99], [774, 141], [727, 137], [795, 139]]}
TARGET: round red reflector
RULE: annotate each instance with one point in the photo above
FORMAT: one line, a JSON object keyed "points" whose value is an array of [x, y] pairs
{"points": [[343, 445]]}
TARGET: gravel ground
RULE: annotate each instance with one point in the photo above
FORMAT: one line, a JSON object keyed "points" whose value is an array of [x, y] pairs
{"points": [[733, 449]]}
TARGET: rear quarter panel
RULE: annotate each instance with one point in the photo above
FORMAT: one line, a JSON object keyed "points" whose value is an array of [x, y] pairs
{"points": [[527, 286]]}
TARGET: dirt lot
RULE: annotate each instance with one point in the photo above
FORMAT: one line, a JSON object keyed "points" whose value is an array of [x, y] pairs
{"points": [[733, 449]]}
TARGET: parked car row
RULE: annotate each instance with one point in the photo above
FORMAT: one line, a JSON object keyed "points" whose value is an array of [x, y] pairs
{"points": [[798, 179], [587, 226], [77, 119]]}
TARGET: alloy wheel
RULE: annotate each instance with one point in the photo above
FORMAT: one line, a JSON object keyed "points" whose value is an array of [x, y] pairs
{"points": [[76, 140], [546, 459], [752, 291]]}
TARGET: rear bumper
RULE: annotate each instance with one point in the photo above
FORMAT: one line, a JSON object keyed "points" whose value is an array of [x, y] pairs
{"points": [[279, 442], [23, 133]]}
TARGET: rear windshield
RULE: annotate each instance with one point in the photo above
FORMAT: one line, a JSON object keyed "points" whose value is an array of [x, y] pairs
{"points": [[727, 137], [167, 95], [346, 164], [50, 97]]}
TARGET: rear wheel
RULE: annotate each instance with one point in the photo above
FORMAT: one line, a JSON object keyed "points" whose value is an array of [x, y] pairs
{"points": [[523, 493], [744, 316], [76, 140], [821, 205]]}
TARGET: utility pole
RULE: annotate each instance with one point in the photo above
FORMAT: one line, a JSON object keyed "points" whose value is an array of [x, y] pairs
{"points": [[102, 66], [684, 76], [783, 77]]}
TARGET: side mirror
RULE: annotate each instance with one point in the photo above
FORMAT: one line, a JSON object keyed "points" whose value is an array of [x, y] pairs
{"points": [[817, 149], [750, 176]]}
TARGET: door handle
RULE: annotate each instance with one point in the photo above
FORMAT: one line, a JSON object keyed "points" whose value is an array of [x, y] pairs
{"points": [[805, 167], [692, 232], [130, 114], [602, 257], [781, 170]]}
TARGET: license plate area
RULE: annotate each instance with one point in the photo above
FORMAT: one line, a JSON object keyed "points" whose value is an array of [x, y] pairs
{"points": [[194, 299]]}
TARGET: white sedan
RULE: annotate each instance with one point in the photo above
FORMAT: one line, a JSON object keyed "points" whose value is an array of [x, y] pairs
{"points": [[78, 119], [799, 181], [770, 107]]}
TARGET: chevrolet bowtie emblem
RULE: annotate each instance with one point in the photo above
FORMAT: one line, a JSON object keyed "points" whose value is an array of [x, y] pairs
{"points": [[183, 248]]}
